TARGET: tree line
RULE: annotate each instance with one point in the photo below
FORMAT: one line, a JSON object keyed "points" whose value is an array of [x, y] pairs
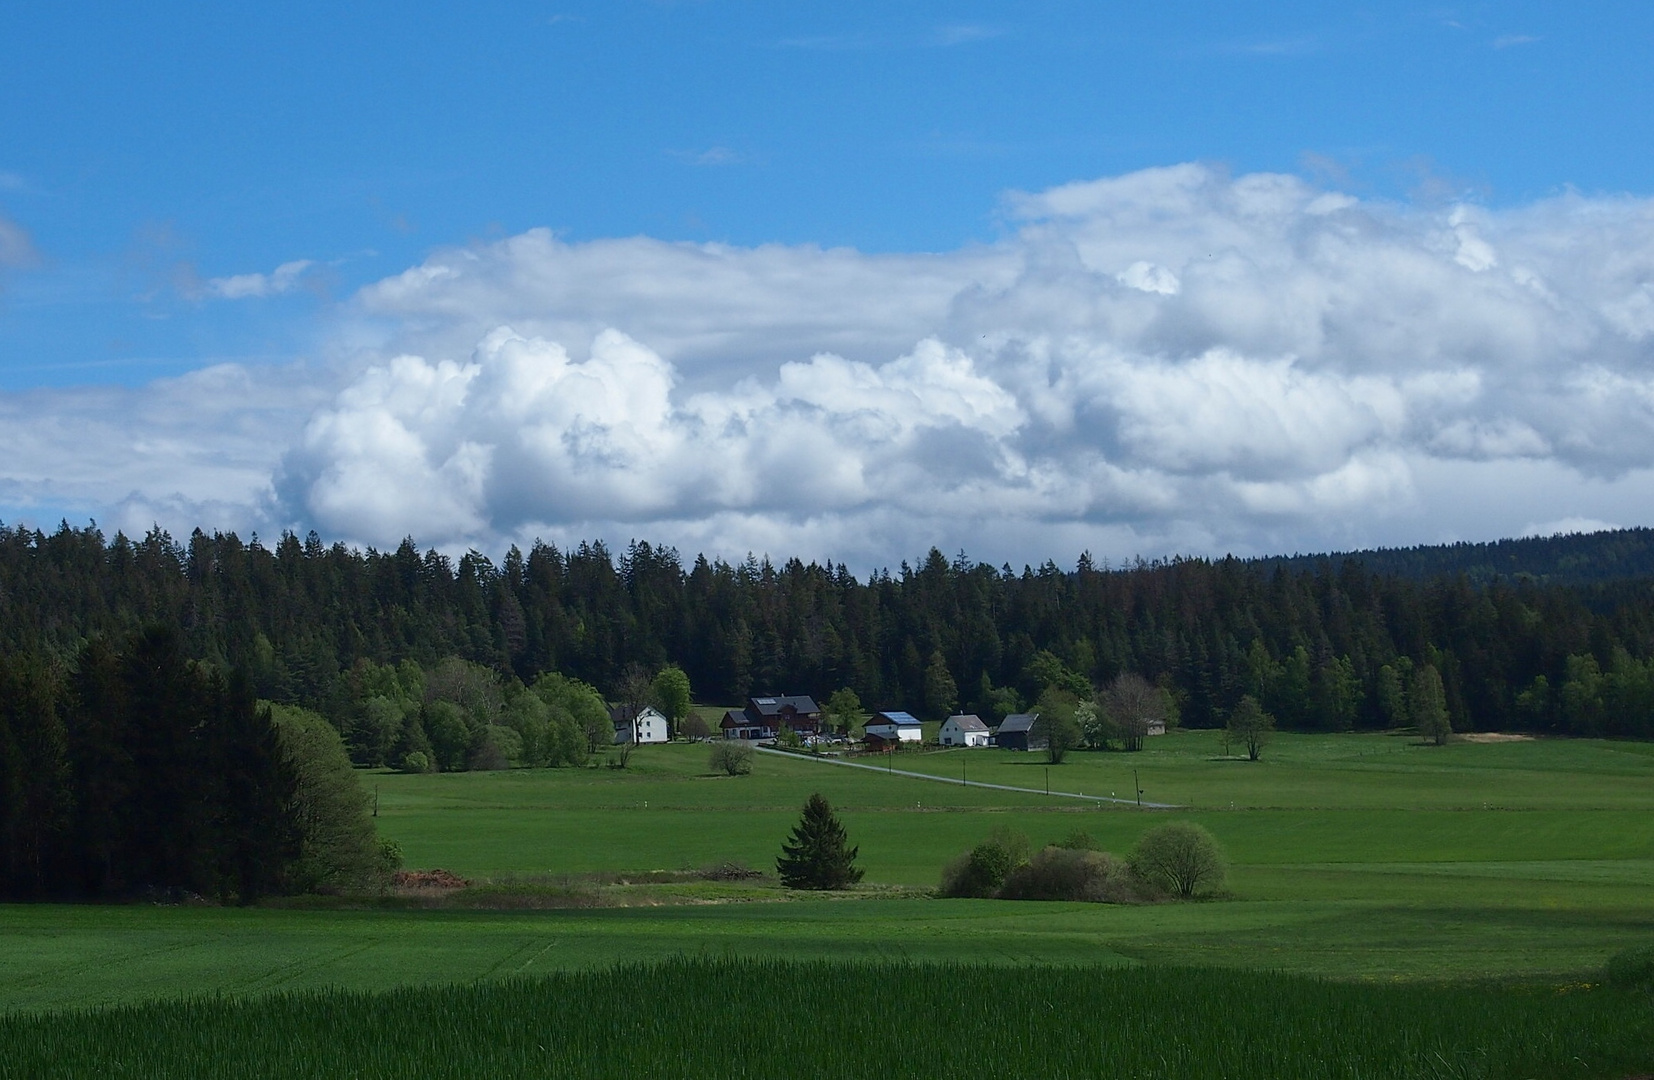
{"points": [[136, 771], [1319, 645]]}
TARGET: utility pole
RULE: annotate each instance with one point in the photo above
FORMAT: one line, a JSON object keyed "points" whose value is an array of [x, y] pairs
{"points": [[376, 800], [1138, 784], [1048, 779]]}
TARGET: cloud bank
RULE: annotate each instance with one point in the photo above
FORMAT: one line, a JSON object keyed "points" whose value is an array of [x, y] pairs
{"points": [[1171, 360]]}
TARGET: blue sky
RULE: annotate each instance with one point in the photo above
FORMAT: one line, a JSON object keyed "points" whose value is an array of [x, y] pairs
{"points": [[160, 165]]}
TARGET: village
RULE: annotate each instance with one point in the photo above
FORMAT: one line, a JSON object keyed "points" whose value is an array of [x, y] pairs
{"points": [[784, 718]]}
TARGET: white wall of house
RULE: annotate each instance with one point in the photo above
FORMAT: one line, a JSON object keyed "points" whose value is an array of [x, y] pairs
{"points": [[954, 735], [910, 733], [650, 727]]}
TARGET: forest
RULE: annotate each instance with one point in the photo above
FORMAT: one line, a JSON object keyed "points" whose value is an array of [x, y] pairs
{"points": [[137, 772], [1322, 644]]}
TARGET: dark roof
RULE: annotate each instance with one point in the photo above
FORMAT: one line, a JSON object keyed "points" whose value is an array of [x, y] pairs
{"points": [[618, 713], [775, 703], [900, 719], [735, 718], [1016, 722], [968, 722]]}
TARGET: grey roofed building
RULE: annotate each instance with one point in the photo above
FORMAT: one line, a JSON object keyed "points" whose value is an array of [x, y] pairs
{"points": [[781, 704], [963, 729], [764, 717], [1016, 732]]}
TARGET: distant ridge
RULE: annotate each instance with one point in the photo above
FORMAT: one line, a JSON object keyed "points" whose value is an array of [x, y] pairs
{"points": [[1564, 559]]}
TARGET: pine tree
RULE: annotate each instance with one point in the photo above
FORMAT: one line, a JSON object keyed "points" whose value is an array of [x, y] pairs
{"points": [[816, 857]]}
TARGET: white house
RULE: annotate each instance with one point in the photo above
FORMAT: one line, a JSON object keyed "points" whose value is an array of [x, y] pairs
{"points": [[894, 727], [649, 726], [965, 730]]}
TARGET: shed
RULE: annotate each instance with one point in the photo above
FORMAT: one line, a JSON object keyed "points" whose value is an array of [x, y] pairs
{"points": [[1016, 732]]}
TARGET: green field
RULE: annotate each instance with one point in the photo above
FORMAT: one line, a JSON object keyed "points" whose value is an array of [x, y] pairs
{"points": [[1364, 857], [786, 1019]]}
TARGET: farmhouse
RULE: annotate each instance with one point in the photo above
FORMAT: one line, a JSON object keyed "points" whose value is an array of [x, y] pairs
{"points": [[645, 725], [894, 727], [963, 730], [764, 717], [1016, 732]]}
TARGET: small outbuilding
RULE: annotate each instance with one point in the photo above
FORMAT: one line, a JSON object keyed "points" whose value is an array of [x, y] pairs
{"points": [[966, 729], [894, 727], [1016, 732]]}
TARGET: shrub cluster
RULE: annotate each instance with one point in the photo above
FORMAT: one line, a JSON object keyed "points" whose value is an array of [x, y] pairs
{"points": [[1057, 873], [1175, 859]]}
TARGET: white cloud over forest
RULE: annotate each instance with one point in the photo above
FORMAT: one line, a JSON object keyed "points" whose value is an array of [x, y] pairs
{"points": [[1171, 360]]}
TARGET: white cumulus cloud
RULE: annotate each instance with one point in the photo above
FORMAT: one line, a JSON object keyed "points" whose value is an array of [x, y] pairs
{"points": [[1176, 359]]}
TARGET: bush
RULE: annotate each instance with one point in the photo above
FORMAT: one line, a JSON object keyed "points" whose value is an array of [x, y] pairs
{"points": [[390, 856], [1631, 969], [1065, 873], [415, 762], [731, 757], [1180, 857], [980, 871], [1079, 841]]}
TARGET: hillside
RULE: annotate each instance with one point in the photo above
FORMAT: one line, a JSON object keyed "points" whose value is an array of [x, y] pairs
{"points": [[1565, 559]]}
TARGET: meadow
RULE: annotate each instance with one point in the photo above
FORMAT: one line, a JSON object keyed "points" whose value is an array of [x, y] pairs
{"points": [[1365, 857], [1492, 878]]}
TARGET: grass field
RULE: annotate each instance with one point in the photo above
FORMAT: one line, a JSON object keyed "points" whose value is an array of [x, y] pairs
{"points": [[851, 1020], [1362, 857]]}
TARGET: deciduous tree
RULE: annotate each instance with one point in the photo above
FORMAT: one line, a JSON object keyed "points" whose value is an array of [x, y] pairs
{"points": [[670, 694], [1179, 856], [1134, 706], [1251, 726], [1429, 705], [1056, 724]]}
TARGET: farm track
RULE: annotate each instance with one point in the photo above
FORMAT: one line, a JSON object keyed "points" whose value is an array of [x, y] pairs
{"points": [[969, 783]]}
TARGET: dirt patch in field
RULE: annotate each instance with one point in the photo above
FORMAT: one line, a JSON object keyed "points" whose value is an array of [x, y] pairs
{"points": [[1493, 737], [428, 879]]}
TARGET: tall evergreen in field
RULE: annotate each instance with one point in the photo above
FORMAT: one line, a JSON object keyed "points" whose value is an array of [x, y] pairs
{"points": [[816, 856]]}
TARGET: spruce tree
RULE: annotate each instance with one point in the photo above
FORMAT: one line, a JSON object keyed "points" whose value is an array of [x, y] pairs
{"points": [[816, 857]]}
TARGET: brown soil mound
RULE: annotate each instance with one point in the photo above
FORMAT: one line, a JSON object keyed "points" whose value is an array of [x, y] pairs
{"points": [[428, 879]]}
